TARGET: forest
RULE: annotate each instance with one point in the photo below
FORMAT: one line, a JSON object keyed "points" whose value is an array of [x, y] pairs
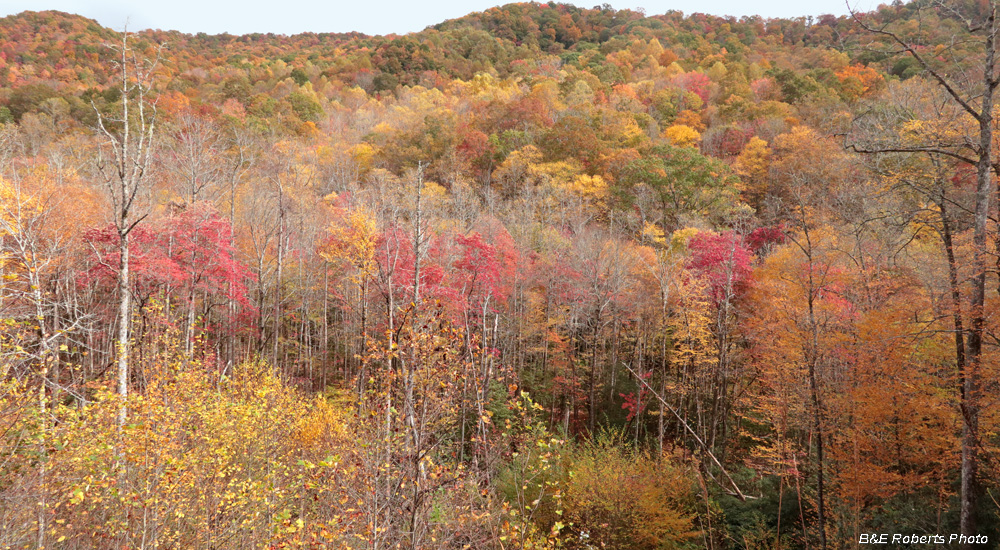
{"points": [[540, 277]]}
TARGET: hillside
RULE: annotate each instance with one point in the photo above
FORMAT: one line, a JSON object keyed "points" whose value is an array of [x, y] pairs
{"points": [[537, 277]]}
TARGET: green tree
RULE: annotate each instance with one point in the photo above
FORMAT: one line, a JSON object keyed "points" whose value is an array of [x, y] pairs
{"points": [[682, 181]]}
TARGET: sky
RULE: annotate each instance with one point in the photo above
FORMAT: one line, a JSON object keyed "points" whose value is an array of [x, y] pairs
{"points": [[369, 17]]}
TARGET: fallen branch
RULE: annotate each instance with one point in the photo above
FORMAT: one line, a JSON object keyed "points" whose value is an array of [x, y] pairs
{"points": [[738, 494]]}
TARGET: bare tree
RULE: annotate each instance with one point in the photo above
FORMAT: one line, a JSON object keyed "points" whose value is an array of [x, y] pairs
{"points": [[123, 162], [194, 155]]}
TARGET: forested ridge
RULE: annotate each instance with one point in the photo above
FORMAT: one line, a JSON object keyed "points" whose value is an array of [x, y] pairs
{"points": [[538, 277]]}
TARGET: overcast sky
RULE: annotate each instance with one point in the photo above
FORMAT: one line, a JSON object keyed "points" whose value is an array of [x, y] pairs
{"points": [[370, 17]]}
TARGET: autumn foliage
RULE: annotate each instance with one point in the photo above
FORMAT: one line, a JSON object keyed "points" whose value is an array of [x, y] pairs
{"points": [[538, 277]]}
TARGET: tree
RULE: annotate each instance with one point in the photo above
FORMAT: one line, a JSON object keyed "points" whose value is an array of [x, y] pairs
{"points": [[194, 154], [752, 166], [682, 181], [971, 102], [351, 246], [811, 178], [122, 164]]}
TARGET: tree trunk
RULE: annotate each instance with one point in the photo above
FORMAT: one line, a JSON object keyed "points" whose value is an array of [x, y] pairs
{"points": [[125, 320], [977, 300], [277, 280]]}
